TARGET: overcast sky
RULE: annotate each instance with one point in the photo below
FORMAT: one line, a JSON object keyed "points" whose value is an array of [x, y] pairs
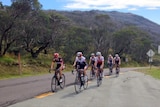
{"points": [[149, 9]]}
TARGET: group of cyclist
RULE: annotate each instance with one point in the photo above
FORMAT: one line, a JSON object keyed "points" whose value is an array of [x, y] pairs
{"points": [[96, 62]]}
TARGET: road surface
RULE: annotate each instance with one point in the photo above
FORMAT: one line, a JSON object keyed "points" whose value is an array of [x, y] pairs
{"points": [[130, 89]]}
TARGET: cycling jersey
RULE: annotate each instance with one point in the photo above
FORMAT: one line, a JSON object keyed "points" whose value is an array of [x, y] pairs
{"points": [[81, 62], [99, 60], [58, 61], [92, 59], [110, 60], [117, 60]]}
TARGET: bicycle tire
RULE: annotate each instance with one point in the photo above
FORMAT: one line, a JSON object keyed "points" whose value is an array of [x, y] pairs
{"points": [[117, 72], [77, 84], [54, 84], [85, 85], [62, 84], [92, 74], [99, 79]]}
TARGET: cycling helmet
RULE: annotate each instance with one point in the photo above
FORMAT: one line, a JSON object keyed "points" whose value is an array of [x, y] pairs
{"points": [[79, 54], [116, 55], [110, 55], [92, 54], [98, 53], [56, 55]]}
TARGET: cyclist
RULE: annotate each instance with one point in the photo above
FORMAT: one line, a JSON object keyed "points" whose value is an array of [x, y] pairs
{"points": [[78, 53], [59, 61], [92, 61], [117, 61], [110, 63], [99, 62], [81, 63]]}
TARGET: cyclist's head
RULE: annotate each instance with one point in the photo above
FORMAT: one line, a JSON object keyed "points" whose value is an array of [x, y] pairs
{"points": [[92, 54], [56, 55], [98, 54], [116, 55], [110, 55], [79, 54]]}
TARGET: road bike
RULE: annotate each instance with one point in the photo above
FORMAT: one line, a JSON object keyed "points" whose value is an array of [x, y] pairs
{"points": [[55, 82], [80, 80], [99, 77], [92, 72]]}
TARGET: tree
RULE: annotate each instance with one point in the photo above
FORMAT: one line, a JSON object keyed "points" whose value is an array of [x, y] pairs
{"points": [[133, 42], [77, 39], [10, 20], [101, 32]]}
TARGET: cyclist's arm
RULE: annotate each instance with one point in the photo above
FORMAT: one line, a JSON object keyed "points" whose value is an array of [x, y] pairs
{"points": [[74, 64], [90, 61], [102, 64], [95, 64], [119, 61], [62, 64], [52, 65]]}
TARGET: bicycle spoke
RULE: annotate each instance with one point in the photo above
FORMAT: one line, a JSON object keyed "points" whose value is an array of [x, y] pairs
{"points": [[85, 83], [77, 85], [62, 84], [53, 84]]}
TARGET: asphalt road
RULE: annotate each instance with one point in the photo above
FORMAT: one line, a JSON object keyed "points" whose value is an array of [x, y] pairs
{"points": [[130, 89], [17, 90], [128, 85]]}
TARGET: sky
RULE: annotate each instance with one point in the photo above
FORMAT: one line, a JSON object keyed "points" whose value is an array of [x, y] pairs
{"points": [[149, 9]]}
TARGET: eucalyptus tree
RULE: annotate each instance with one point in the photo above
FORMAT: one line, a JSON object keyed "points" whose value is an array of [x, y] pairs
{"points": [[101, 32], [11, 20], [132, 42]]}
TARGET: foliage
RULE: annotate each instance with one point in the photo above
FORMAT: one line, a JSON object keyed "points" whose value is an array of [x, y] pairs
{"points": [[28, 29], [7, 60], [133, 42]]}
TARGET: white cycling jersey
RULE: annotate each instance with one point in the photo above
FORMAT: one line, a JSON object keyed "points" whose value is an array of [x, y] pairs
{"points": [[99, 60], [79, 60]]}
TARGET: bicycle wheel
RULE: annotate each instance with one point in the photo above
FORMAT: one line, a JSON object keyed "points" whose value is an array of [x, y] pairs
{"points": [[62, 84], [110, 70], [99, 79], [92, 74], [117, 71], [85, 85], [77, 84], [53, 84]]}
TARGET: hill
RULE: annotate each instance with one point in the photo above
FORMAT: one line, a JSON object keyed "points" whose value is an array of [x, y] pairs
{"points": [[120, 20]]}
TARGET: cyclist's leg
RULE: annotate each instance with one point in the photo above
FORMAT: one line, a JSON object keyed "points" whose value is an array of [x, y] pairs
{"points": [[97, 71], [60, 73], [92, 69], [85, 74], [111, 68]]}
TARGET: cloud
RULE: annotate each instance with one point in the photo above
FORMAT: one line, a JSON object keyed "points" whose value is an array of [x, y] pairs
{"points": [[112, 4]]}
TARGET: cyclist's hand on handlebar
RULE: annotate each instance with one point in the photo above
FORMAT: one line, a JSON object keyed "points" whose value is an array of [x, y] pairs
{"points": [[50, 70], [72, 72]]}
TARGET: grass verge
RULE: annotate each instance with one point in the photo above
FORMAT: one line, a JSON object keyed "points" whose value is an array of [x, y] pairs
{"points": [[154, 72]]}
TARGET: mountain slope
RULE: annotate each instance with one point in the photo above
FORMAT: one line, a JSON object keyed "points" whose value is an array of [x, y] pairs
{"points": [[87, 18]]}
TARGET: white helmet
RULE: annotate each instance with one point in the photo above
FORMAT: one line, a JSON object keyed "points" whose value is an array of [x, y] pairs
{"points": [[110, 55], [116, 55], [98, 53], [79, 53], [92, 54]]}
